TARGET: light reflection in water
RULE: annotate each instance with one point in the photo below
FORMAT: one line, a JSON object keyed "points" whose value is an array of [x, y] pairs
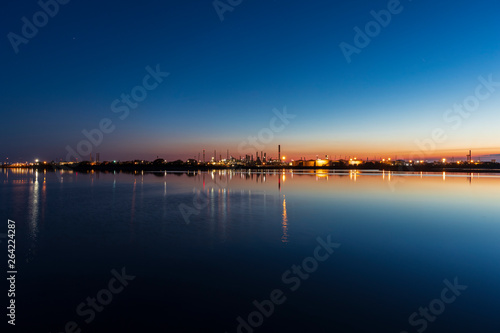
{"points": [[132, 206], [33, 207], [284, 224], [353, 175], [215, 190], [320, 174], [224, 212], [34, 212]]}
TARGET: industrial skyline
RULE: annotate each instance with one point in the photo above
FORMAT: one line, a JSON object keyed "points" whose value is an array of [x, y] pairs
{"points": [[262, 159], [174, 77]]}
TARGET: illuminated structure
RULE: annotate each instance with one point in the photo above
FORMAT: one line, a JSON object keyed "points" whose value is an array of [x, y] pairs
{"points": [[355, 161], [317, 163]]}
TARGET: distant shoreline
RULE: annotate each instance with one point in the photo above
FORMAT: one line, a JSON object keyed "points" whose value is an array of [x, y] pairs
{"points": [[152, 168]]}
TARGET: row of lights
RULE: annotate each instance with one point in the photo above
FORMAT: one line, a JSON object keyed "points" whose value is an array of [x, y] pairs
{"points": [[284, 158]]}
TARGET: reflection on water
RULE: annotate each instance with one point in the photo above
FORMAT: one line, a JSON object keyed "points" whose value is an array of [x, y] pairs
{"points": [[284, 238], [353, 175], [218, 200], [132, 205], [402, 234], [34, 206], [36, 209]]}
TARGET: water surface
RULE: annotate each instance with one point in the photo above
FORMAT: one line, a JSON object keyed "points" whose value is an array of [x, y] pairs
{"points": [[204, 246]]}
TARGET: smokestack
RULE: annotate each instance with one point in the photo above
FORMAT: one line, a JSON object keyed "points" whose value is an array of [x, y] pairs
{"points": [[203, 155], [279, 153]]}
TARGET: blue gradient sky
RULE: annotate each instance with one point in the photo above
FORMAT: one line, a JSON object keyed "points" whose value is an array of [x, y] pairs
{"points": [[227, 77]]}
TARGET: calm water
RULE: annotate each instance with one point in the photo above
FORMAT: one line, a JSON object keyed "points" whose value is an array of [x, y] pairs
{"points": [[203, 247]]}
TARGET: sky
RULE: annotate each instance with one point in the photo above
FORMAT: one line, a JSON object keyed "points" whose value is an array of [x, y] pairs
{"points": [[249, 76]]}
